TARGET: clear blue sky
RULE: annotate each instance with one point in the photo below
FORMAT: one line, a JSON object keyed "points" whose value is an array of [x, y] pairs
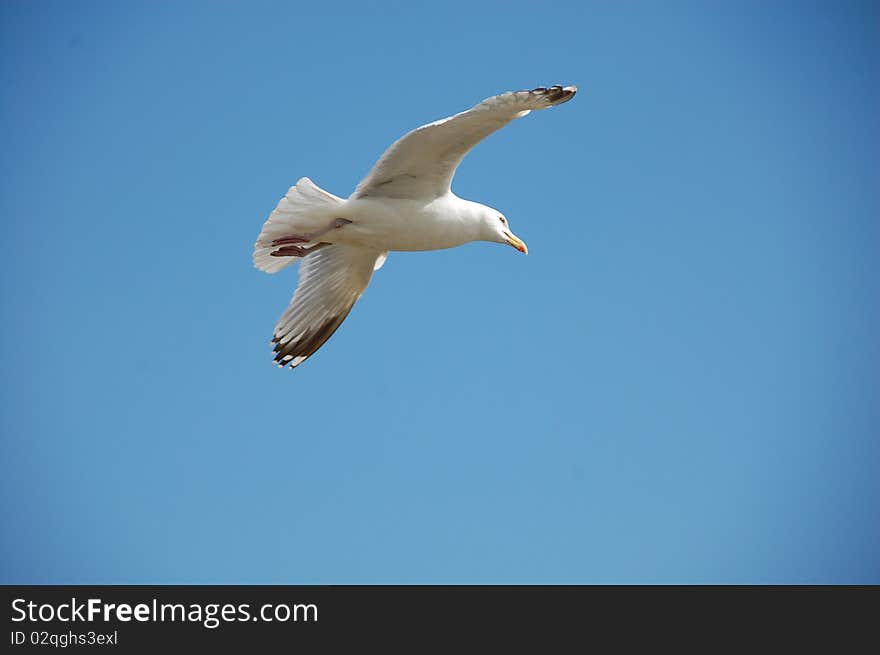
{"points": [[678, 384]]}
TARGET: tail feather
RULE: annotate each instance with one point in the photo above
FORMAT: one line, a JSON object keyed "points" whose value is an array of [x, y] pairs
{"points": [[305, 208]]}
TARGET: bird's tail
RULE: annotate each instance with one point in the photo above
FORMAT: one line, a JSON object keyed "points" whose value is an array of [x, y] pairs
{"points": [[306, 208]]}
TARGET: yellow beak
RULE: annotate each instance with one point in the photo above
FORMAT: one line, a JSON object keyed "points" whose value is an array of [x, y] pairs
{"points": [[517, 243]]}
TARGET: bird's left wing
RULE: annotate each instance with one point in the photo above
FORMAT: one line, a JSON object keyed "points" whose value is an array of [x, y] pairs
{"points": [[422, 163], [331, 280]]}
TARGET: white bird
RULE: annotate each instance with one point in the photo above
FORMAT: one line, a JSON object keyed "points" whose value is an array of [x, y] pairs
{"points": [[404, 203]]}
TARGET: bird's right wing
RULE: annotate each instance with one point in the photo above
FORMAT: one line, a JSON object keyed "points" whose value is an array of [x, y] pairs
{"points": [[422, 163], [331, 280]]}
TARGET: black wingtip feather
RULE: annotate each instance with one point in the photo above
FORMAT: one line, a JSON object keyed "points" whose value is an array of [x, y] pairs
{"points": [[307, 344], [556, 94]]}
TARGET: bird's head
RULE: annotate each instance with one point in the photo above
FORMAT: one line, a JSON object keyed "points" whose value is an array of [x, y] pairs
{"points": [[497, 229]]}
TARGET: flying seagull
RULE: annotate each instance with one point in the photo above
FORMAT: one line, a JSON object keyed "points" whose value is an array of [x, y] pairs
{"points": [[404, 203]]}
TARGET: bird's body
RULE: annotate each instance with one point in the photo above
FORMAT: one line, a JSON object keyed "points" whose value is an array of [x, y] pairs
{"points": [[405, 203], [409, 225]]}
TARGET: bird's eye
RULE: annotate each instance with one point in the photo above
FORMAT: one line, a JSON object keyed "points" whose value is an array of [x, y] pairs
{"points": [[503, 220]]}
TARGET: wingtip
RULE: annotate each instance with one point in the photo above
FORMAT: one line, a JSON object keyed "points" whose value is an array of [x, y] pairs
{"points": [[556, 94], [565, 93]]}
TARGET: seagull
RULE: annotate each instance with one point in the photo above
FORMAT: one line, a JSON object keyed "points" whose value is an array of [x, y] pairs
{"points": [[405, 203]]}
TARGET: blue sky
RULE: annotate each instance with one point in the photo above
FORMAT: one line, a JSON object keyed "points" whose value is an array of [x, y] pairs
{"points": [[678, 384]]}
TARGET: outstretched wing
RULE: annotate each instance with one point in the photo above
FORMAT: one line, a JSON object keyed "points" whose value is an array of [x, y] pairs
{"points": [[330, 282], [422, 163]]}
